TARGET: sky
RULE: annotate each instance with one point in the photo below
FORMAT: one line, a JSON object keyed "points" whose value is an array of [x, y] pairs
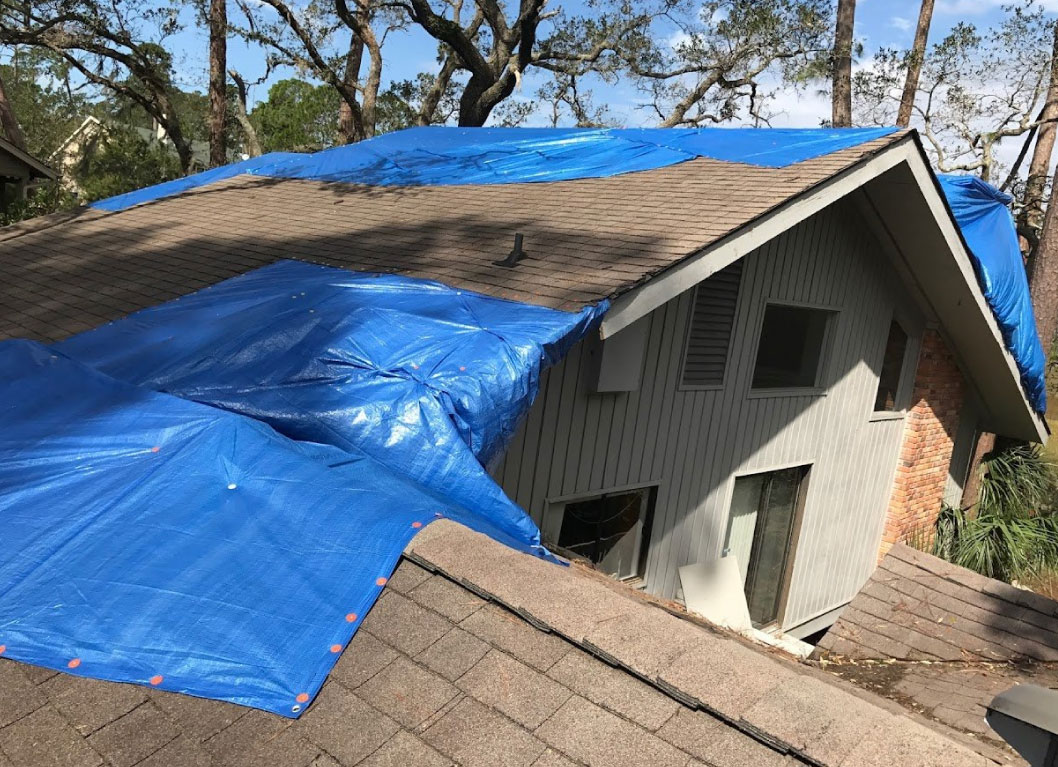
{"points": [[879, 23]]}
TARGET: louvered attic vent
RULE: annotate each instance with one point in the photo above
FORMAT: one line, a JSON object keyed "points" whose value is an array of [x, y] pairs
{"points": [[711, 324]]}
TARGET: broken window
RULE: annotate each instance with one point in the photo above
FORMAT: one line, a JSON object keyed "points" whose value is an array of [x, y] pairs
{"points": [[791, 348], [765, 509], [712, 320], [611, 530], [892, 365]]}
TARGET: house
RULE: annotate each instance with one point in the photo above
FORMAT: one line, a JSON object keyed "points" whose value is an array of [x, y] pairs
{"points": [[19, 173], [794, 368], [942, 639], [88, 137], [469, 659]]}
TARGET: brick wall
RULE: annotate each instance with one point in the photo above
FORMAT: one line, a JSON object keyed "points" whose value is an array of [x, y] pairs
{"points": [[929, 433]]}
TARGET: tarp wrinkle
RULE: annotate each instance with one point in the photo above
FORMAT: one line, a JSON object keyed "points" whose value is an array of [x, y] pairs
{"points": [[213, 491]]}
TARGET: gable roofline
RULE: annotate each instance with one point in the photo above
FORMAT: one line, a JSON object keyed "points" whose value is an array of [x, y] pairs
{"points": [[902, 164], [40, 169]]}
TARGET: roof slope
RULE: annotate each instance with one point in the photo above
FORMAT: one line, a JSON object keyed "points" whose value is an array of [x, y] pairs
{"points": [[497, 658], [960, 638], [587, 239]]}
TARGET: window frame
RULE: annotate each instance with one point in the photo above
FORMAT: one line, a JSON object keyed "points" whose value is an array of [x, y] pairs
{"points": [[823, 368], [689, 328], [809, 466], [554, 510], [908, 367]]}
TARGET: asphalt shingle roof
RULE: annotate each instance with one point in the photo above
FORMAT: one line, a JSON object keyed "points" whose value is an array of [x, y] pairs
{"points": [[586, 239], [481, 656]]}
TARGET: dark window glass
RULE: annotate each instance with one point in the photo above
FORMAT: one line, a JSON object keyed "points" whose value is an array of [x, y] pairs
{"points": [[791, 347], [764, 510], [711, 323], [611, 531], [892, 364]]}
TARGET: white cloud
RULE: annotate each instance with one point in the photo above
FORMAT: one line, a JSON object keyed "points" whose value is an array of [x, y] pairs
{"points": [[899, 22], [976, 7]]}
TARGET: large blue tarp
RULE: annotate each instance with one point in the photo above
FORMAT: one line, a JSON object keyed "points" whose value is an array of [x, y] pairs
{"points": [[988, 228], [202, 493], [438, 156], [154, 540]]}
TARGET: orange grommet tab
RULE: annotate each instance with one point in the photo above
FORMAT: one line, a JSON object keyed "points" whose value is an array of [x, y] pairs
{"points": [[157, 679], [336, 648], [3, 649], [302, 697], [416, 525], [350, 618], [381, 581], [155, 449], [73, 663]]}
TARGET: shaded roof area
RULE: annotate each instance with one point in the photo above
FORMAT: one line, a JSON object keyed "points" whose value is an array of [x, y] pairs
{"points": [[482, 656], [586, 239], [958, 638]]}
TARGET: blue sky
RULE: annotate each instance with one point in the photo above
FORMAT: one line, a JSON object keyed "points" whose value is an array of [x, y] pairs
{"points": [[878, 23]]}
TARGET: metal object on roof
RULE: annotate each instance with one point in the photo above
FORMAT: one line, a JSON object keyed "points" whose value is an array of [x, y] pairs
{"points": [[1027, 718]]}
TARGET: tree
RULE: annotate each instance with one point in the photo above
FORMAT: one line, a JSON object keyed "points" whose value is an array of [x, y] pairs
{"points": [[1043, 279], [48, 106], [841, 92], [1031, 217], [976, 89], [297, 116], [8, 121], [110, 46], [124, 161], [725, 54], [914, 64], [218, 87]]}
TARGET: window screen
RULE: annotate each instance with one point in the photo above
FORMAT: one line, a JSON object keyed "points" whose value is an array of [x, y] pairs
{"points": [[791, 347], [711, 323], [610, 530], [892, 364]]}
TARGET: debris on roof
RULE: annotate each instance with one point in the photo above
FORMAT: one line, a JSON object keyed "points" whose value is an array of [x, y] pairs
{"points": [[943, 639]]}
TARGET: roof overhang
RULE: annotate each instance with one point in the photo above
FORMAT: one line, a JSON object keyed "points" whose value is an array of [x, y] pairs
{"points": [[898, 183], [37, 169]]}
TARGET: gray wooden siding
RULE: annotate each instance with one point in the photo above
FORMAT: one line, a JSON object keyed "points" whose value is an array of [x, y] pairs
{"points": [[691, 443]]}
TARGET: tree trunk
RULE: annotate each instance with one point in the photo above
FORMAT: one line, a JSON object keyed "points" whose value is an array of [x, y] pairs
{"points": [[914, 65], [218, 66], [8, 121], [350, 119], [1043, 279], [841, 93], [253, 143], [1036, 183]]}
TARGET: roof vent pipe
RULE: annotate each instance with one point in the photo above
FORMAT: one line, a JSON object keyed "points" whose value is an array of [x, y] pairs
{"points": [[515, 255]]}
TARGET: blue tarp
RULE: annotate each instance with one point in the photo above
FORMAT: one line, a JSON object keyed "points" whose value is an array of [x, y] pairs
{"points": [[453, 156], [340, 408], [154, 540], [988, 228]]}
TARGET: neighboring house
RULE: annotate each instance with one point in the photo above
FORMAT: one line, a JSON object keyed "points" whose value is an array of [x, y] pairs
{"points": [[469, 658], [19, 172], [91, 134], [943, 640], [794, 368]]}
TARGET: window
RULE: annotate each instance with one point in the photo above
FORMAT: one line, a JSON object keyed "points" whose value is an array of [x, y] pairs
{"points": [[712, 320], [790, 351], [892, 365], [610, 530], [765, 509]]}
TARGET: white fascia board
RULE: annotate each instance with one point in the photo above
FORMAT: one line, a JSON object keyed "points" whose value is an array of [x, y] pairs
{"points": [[644, 299]]}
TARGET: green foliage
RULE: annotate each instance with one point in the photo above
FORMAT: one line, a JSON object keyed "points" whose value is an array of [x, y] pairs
{"points": [[45, 199], [1013, 532], [297, 116], [46, 109], [123, 161]]}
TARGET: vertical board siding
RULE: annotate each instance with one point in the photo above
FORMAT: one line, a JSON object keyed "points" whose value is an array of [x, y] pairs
{"points": [[692, 443]]}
